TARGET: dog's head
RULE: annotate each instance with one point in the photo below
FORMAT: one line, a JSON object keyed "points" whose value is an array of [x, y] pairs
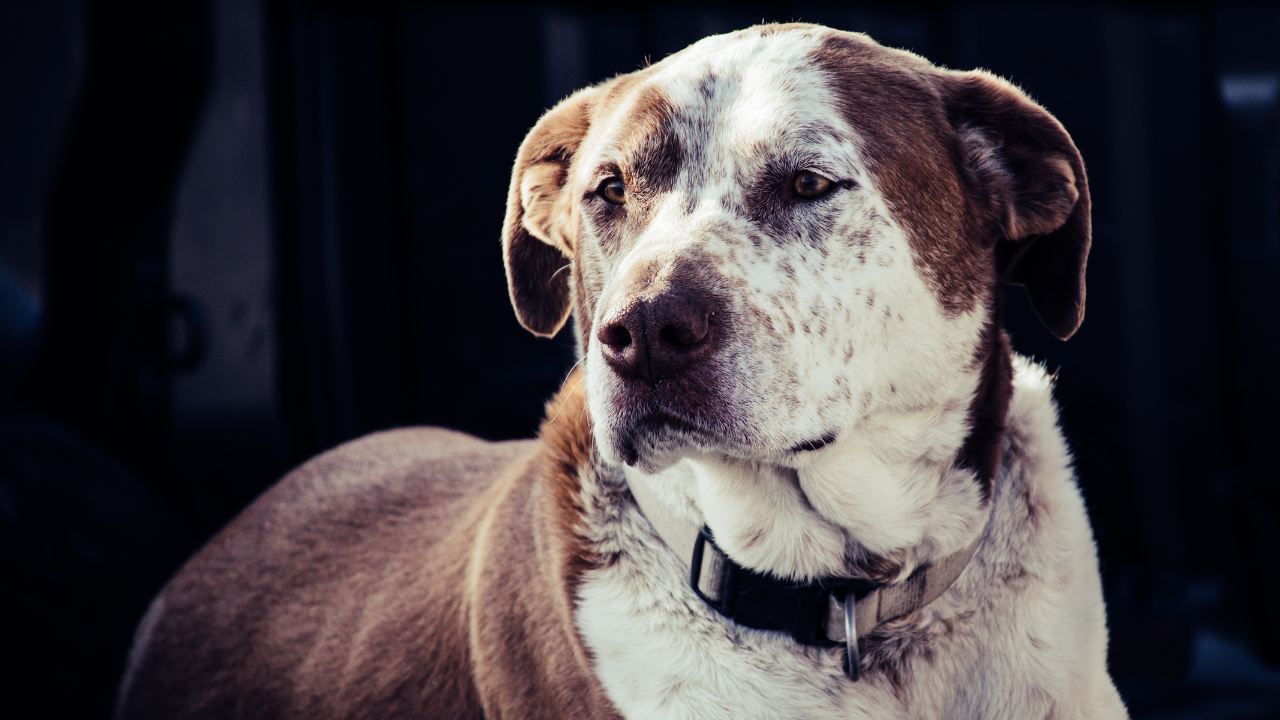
{"points": [[774, 234]]}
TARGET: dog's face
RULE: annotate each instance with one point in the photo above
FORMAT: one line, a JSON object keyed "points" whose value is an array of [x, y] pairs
{"points": [[776, 234]]}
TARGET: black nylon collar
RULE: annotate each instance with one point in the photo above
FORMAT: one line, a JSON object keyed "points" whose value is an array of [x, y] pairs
{"points": [[765, 602]]}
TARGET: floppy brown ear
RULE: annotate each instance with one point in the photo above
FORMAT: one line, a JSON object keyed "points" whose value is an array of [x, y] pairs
{"points": [[1024, 162], [537, 242]]}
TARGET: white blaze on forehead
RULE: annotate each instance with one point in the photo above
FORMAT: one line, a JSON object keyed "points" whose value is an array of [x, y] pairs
{"points": [[740, 92], [758, 66]]}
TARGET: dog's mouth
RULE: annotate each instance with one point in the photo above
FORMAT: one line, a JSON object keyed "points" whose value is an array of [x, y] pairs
{"points": [[815, 444], [651, 425], [648, 421], [659, 436]]}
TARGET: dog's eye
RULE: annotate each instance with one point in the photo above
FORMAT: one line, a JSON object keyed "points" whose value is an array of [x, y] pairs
{"points": [[613, 190], [810, 184]]}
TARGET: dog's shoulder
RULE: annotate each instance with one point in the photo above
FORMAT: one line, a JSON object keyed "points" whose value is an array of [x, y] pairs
{"points": [[348, 573], [1040, 480]]}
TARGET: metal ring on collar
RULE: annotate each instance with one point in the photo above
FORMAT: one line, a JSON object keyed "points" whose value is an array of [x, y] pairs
{"points": [[851, 658]]}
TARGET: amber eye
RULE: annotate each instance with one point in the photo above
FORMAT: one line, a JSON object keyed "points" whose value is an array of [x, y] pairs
{"points": [[613, 190], [810, 184]]}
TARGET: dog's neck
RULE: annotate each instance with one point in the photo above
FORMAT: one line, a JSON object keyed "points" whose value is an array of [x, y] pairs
{"points": [[909, 486]]}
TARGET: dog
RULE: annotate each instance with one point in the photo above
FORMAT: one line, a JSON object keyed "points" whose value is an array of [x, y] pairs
{"points": [[799, 471]]}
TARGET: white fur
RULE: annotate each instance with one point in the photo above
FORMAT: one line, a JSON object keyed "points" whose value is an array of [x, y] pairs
{"points": [[1034, 645], [851, 341], [884, 374]]}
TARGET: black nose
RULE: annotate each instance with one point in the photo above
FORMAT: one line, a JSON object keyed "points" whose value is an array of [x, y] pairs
{"points": [[652, 338]]}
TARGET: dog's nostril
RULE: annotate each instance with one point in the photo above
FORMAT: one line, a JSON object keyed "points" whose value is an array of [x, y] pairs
{"points": [[615, 336]]}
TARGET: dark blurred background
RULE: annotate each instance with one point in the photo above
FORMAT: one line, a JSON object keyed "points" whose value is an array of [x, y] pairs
{"points": [[234, 233]]}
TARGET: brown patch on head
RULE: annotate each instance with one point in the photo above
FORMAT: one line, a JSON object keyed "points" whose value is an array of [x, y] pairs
{"points": [[890, 99], [644, 148], [984, 181], [652, 147]]}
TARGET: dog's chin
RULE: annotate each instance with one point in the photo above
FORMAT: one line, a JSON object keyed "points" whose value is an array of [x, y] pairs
{"points": [[653, 442], [657, 442]]}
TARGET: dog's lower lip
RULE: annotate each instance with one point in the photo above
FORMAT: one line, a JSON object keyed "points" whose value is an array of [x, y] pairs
{"points": [[651, 426], [817, 444], [663, 417], [629, 453]]}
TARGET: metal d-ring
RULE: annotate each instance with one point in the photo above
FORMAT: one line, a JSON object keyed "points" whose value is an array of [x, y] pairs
{"points": [[851, 658]]}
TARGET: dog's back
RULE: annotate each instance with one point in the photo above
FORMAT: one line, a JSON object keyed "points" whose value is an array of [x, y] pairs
{"points": [[336, 594]]}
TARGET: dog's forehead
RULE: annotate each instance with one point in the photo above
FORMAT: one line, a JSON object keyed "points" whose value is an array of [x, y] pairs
{"points": [[745, 78], [737, 98], [725, 97]]}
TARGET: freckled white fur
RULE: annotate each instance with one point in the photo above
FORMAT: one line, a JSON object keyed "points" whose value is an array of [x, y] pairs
{"points": [[1024, 632], [1018, 647], [898, 405]]}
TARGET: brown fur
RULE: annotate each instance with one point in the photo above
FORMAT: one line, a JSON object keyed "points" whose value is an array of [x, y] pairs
{"points": [[1020, 156], [649, 142], [990, 404], [535, 247], [413, 573], [890, 97], [970, 150]]}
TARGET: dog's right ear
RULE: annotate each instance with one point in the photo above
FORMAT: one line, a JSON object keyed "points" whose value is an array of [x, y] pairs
{"points": [[537, 238]]}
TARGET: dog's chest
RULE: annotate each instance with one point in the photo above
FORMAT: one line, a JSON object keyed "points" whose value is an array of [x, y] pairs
{"points": [[660, 652]]}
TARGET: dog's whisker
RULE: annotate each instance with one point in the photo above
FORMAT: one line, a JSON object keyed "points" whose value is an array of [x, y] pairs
{"points": [[557, 272], [571, 391]]}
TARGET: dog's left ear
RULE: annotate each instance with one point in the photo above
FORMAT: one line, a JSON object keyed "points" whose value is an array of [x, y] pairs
{"points": [[1026, 165], [537, 244]]}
